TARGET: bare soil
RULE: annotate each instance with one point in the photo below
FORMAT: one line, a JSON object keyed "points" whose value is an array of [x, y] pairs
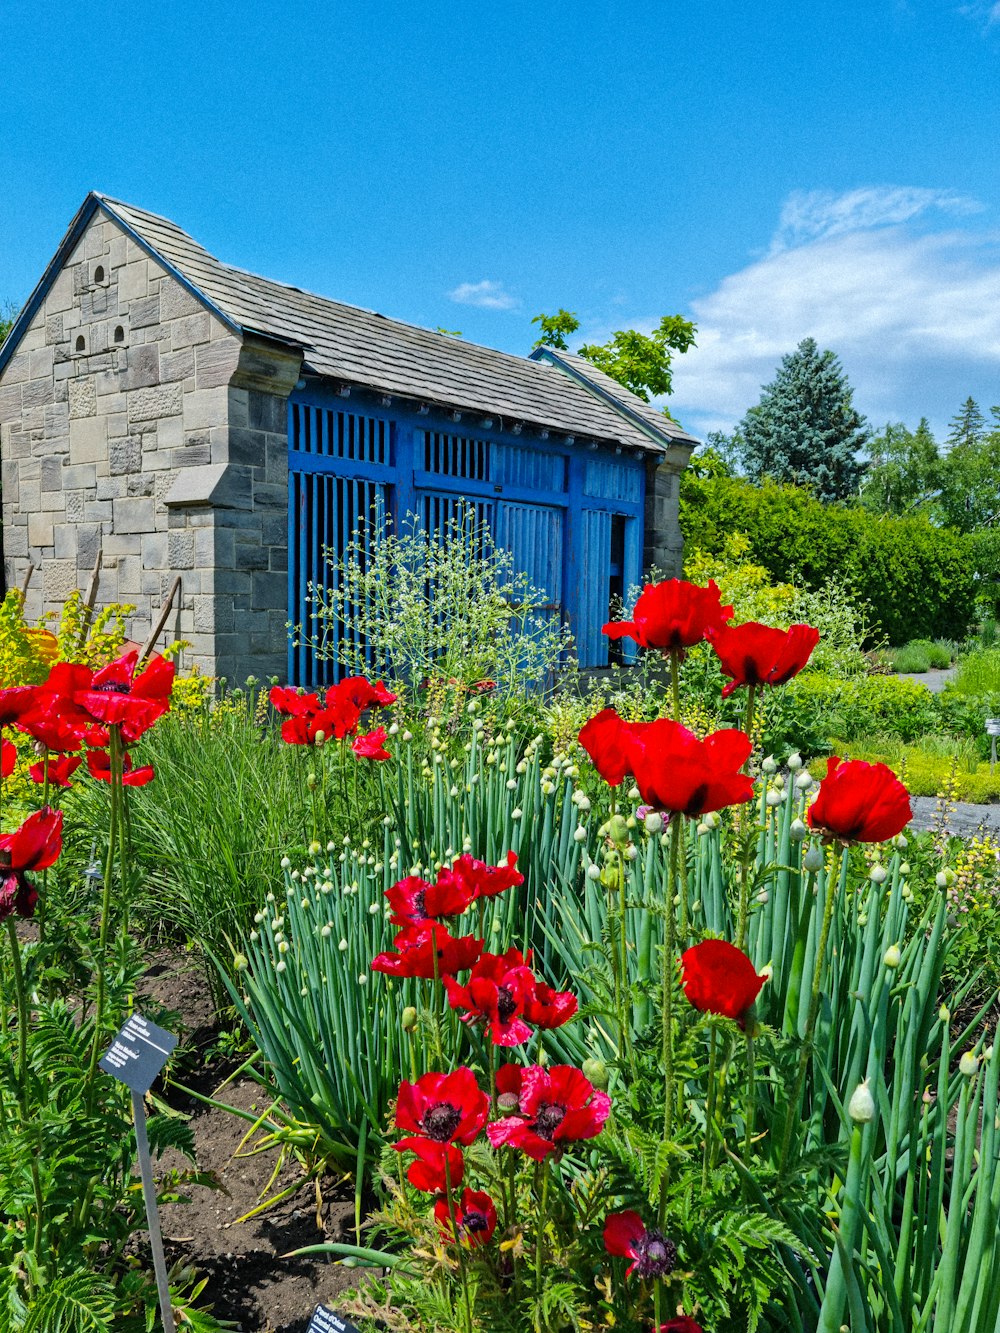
{"points": [[251, 1281]]}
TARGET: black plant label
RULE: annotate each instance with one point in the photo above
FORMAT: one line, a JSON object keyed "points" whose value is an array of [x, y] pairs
{"points": [[325, 1321], [137, 1055]]}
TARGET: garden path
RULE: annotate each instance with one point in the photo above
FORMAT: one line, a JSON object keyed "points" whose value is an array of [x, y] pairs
{"points": [[935, 680], [964, 821]]}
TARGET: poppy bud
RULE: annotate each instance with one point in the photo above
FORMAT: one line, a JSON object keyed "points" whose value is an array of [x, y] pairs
{"points": [[904, 867], [797, 830], [409, 1019], [803, 780], [892, 956], [311, 781], [861, 1107], [618, 829], [773, 798], [769, 766], [813, 859], [508, 1102], [596, 1071]]}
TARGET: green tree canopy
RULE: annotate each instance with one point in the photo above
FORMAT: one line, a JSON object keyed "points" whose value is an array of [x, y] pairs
{"points": [[970, 491], [8, 313], [639, 361], [905, 471], [806, 430]]}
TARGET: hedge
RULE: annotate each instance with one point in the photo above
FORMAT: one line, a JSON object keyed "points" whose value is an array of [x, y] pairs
{"points": [[918, 580]]}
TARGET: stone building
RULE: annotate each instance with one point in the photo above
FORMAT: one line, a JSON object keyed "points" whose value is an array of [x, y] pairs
{"points": [[186, 418]]}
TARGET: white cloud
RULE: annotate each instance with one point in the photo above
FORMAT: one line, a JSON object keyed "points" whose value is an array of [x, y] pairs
{"points": [[489, 295], [986, 12], [914, 315]]}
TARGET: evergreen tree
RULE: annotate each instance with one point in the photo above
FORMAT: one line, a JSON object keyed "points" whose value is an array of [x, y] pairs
{"points": [[970, 494], [968, 427], [806, 429]]}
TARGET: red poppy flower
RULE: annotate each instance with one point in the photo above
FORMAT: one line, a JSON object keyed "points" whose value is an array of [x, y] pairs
{"points": [[448, 1108], [681, 1323], [414, 900], [8, 758], [475, 1218], [558, 1106], [361, 693], [59, 770], [428, 1171], [509, 1080], [34, 846], [755, 654], [859, 802], [57, 725], [427, 951], [718, 978], [672, 616], [548, 1008], [117, 696], [15, 702], [607, 738], [290, 702], [495, 994], [372, 745], [482, 687], [482, 880], [676, 771], [99, 765], [652, 1254]]}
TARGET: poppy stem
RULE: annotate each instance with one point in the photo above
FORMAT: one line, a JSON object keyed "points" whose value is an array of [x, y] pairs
{"points": [[667, 1000], [21, 997], [751, 1112], [706, 1161], [458, 1240], [675, 682], [540, 1234], [102, 946], [743, 918], [657, 1285], [625, 1028], [805, 1051]]}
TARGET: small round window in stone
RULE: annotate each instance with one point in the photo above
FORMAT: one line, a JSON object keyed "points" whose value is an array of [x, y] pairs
{"points": [[119, 334], [99, 273], [81, 343]]}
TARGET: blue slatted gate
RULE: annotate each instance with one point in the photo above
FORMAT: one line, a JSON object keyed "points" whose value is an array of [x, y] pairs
{"points": [[571, 518]]}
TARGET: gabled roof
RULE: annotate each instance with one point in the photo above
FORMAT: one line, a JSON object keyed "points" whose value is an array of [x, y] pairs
{"points": [[357, 346]]}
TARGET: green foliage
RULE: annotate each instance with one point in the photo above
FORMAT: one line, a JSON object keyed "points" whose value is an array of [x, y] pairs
{"points": [[555, 329], [978, 673], [916, 579], [920, 655], [933, 766], [640, 361], [904, 472], [805, 430], [8, 313]]}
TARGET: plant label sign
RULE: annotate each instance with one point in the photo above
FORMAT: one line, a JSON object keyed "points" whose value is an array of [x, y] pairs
{"points": [[138, 1053], [325, 1321], [993, 726]]}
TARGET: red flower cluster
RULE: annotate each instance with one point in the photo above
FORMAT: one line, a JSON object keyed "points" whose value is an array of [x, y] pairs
{"points": [[672, 768], [309, 720], [425, 947], [556, 1106], [672, 616], [504, 994], [860, 802], [34, 846], [77, 707], [755, 654], [475, 1219], [652, 1254], [718, 978]]}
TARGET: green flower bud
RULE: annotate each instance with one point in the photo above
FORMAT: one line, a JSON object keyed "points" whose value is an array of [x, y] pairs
{"points": [[813, 859], [861, 1107], [969, 1064], [892, 957], [596, 1071], [618, 829], [409, 1019]]}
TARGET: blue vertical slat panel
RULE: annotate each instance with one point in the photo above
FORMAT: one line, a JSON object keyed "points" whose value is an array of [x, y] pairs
{"points": [[632, 576], [592, 645]]}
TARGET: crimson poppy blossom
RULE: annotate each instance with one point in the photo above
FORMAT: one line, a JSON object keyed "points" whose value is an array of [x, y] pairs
{"points": [[15, 701], [57, 771], [860, 802], [8, 758], [496, 993], [361, 693], [428, 1172], [755, 654], [99, 767], [290, 702], [672, 616], [475, 1218], [57, 725], [118, 696], [718, 978], [414, 900], [558, 1106], [36, 845], [508, 1085], [676, 771], [652, 1254], [681, 1323], [607, 738], [372, 745], [482, 880], [548, 1008], [448, 1108], [429, 951]]}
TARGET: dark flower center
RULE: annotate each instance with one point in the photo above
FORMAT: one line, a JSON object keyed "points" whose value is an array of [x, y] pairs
{"points": [[548, 1119], [419, 904], [654, 1254], [474, 1220], [441, 1121], [506, 1005], [112, 687]]}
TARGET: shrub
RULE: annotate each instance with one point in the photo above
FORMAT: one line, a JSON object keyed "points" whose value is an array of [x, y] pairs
{"points": [[917, 579], [861, 707], [978, 673], [912, 658]]}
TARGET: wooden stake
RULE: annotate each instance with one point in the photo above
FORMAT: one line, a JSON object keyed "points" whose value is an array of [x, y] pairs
{"points": [[161, 619], [27, 579], [90, 599]]}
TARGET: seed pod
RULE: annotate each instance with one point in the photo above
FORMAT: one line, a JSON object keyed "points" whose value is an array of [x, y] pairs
{"points": [[861, 1107]]}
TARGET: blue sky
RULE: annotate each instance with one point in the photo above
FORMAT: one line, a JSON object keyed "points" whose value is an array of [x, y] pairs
{"points": [[773, 170]]}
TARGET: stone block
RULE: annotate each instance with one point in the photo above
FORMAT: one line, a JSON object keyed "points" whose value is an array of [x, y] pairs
{"points": [[10, 402], [216, 362], [134, 515], [88, 543], [176, 302], [125, 455], [189, 330], [51, 474], [144, 312], [180, 550], [177, 365], [251, 556], [191, 456], [133, 281], [74, 507], [205, 408], [59, 579], [150, 404], [97, 511], [81, 477], [170, 433], [246, 446], [54, 329], [268, 412], [40, 529], [36, 393], [83, 397], [274, 497], [15, 542], [268, 590], [40, 363], [143, 367], [139, 484], [154, 551], [110, 488], [59, 297], [88, 439]]}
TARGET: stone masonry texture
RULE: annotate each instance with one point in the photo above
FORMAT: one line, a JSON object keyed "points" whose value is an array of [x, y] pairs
{"points": [[114, 390]]}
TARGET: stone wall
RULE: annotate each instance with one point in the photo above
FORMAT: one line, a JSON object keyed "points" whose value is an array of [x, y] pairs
{"points": [[132, 421], [664, 544]]}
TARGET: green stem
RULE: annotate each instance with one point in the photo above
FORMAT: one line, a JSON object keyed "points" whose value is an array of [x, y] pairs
{"points": [[624, 1026], [667, 997], [675, 682], [806, 1048], [751, 1112], [709, 1105], [743, 917], [540, 1236], [657, 1317], [102, 945], [21, 998], [449, 1194]]}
